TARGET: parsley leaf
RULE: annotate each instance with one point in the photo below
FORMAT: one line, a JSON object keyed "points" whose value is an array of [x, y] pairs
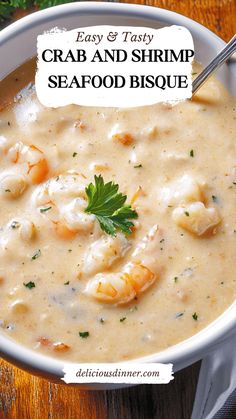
{"points": [[45, 209], [36, 255], [107, 204], [29, 285], [84, 335], [195, 316], [122, 319]]}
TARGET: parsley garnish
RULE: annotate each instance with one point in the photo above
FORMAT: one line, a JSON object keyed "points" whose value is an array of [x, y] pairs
{"points": [[15, 224], [186, 213], [45, 209], [84, 334], [36, 255], [30, 285], [191, 153], [74, 154], [195, 316], [122, 319], [107, 205], [138, 166], [66, 283]]}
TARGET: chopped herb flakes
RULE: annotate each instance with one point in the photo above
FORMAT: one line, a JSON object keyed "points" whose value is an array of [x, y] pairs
{"points": [[74, 154], [191, 153], [30, 285], [102, 320], [195, 316], [138, 166], [66, 283], [186, 213], [214, 198], [175, 279], [45, 209], [7, 190], [84, 335], [122, 319], [15, 224], [36, 255]]}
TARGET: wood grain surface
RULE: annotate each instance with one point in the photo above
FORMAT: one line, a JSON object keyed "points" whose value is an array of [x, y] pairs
{"points": [[23, 396]]}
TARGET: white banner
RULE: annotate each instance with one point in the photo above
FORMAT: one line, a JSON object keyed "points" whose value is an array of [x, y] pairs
{"points": [[132, 373], [114, 66]]}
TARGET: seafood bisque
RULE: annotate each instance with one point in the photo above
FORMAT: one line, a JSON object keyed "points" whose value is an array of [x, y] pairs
{"points": [[118, 226]]}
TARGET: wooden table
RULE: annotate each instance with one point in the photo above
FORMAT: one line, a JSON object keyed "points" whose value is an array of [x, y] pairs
{"points": [[23, 396]]}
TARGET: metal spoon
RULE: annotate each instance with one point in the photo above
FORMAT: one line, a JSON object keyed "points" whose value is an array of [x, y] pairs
{"points": [[220, 59]]}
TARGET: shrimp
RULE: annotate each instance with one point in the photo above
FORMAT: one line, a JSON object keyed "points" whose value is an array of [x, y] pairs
{"points": [[135, 277], [12, 185], [186, 189], [24, 227], [32, 160], [104, 252], [196, 218], [16, 239], [75, 216], [62, 200], [121, 287], [190, 212]]}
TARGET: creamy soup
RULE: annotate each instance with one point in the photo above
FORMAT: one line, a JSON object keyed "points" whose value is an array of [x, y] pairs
{"points": [[84, 288]]}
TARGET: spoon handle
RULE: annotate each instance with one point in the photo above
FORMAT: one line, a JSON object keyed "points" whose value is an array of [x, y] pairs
{"points": [[226, 52]]}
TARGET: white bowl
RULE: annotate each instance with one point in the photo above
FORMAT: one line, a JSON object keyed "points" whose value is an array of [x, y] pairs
{"points": [[17, 44]]}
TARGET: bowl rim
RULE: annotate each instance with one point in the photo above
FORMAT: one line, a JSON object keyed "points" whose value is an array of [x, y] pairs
{"points": [[192, 348]]}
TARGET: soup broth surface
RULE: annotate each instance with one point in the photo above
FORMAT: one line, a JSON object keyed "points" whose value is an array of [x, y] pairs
{"points": [[70, 290]]}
